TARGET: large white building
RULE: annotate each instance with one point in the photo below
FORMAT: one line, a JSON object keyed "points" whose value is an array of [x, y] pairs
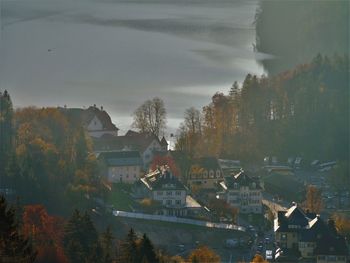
{"points": [[96, 121], [146, 144], [122, 166], [243, 191]]}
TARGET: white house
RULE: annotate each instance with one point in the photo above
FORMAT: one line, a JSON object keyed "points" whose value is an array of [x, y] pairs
{"points": [[244, 192], [165, 188], [145, 143], [122, 166], [95, 120]]}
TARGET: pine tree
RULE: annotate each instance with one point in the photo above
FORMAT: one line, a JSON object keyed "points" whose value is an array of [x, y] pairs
{"points": [[6, 132], [146, 250], [80, 239], [107, 245], [14, 248], [129, 251]]}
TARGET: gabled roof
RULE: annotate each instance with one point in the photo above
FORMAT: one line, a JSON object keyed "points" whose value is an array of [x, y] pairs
{"points": [[131, 141], [85, 116], [315, 228], [208, 163], [121, 158], [242, 179], [163, 142], [162, 180], [296, 216]]}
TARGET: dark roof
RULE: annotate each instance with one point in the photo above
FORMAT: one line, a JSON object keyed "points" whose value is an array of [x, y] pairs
{"points": [[295, 217], [208, 163], [86, 115], [163, 142], [131, 141], [121, 158], [162, 180], [331, 245], [242, 179], [316, 227]]}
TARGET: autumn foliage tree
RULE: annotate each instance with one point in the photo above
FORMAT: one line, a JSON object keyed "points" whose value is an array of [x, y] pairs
{"points": [[313, 200], [14, 246], [258, 259], [151, 117], [52, 163], [222, 208], [203, 254], [46, 233], [278, 115]]}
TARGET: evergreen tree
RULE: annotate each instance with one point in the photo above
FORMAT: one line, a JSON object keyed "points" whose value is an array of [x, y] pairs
{"points": [[146, 250], [6, 133], [14, 248], [80, 239], [107, 245], [129, 251]]}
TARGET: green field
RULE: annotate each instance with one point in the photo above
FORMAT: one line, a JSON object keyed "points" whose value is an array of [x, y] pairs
{"points": [[120, 197]]}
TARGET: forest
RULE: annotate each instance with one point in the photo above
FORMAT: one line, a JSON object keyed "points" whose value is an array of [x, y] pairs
{"points": [[300, 112], [47, 158], [294, 33]]}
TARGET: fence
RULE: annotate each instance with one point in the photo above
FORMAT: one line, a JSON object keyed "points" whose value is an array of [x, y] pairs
{"points": [[174, 219]]}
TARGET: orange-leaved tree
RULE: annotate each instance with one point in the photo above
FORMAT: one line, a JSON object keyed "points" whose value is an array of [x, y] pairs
{"points": [[46, 231]]}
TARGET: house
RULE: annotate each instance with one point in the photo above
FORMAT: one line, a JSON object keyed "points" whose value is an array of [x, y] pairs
{"points": [[146, 143], [96, 121], [122, 166], [243, 191], [165, 188], [229, 166], [306, 235], [204, 173]]}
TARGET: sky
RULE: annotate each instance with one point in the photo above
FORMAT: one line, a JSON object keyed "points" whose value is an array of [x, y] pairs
{"points": [[117, 54]]}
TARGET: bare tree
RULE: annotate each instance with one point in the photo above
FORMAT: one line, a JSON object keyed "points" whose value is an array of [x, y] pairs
{"points": [[193, 121], [150, 117]]}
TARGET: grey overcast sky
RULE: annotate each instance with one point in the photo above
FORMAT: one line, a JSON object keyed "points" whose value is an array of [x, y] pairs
{"points": [[120, 53]]}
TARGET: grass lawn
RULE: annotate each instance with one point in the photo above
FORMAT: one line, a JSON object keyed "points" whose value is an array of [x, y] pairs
{"points": [[120, 197]]}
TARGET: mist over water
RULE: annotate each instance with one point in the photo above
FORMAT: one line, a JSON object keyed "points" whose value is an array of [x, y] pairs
{"points": [[119, 53]]}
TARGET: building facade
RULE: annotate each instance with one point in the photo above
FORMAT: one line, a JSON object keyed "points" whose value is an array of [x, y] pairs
{"points": [[305, 235], [243, 191], [122, 166], [204, 173]]}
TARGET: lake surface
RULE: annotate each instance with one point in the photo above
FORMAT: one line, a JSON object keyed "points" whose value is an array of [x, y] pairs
{"points": [[119, 53]]}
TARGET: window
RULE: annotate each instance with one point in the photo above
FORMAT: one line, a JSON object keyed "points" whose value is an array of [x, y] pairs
{"points": [[217, 173], [169, 193], [178, 202], [159, 193], [331, 258], [168, 202], [178, 193], [211, 174]]}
